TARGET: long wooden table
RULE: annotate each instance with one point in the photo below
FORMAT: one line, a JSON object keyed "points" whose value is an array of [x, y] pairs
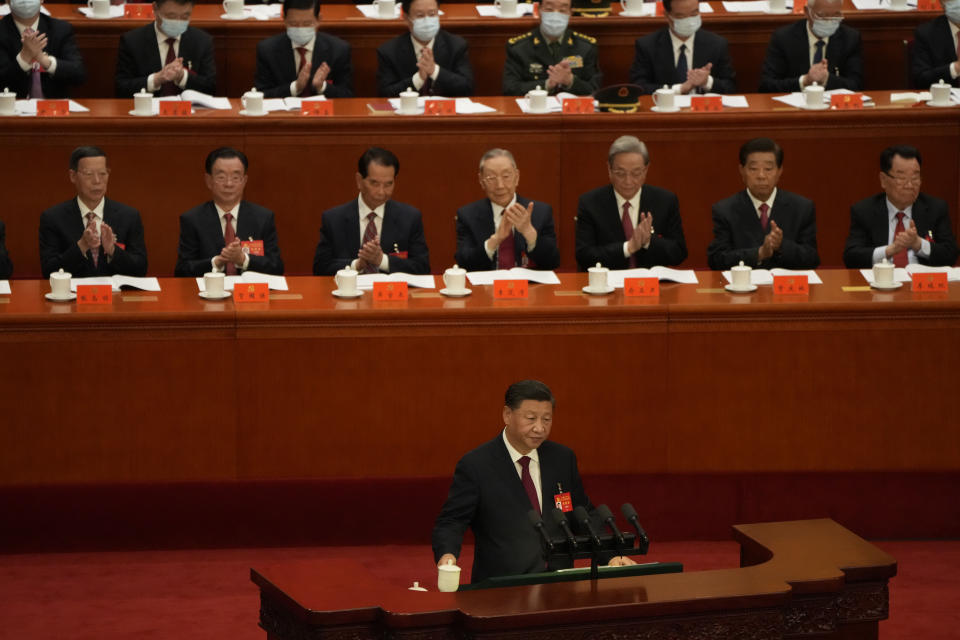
{"points": [[302, 166], [884, 34], [797, 579]]}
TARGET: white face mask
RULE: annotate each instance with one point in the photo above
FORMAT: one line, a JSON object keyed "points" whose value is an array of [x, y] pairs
{"points": [[426, 28], [553, 24], [173, 28], [825, 27], [24, 9], [952, 9], [686, 27], [300, 36]]}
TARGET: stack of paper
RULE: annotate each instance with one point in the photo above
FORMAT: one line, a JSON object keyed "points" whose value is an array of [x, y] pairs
{"points": [[29, 107], [734, 102], [371, 11], [117, 281], [684, 276], [517, 273], [365, 280], [867, 5], [199, 99], [276, 283], [765, 276], [4, 287], [911, 96]]}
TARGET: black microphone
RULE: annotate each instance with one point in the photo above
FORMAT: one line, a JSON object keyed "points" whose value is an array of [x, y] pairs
{"points": [[537, 523], [606, 516], [583, 518], [561, 521], [631, 515]]}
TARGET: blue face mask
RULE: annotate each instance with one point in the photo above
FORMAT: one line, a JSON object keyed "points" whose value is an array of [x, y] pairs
{"points": [[553, 24], [825, 27], [425, 29], [686, 27], [952, 9], [300, 36], [24, 9], [173, 28]]}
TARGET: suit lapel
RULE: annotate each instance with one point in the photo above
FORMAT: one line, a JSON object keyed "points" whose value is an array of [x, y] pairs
{"points": [[353, 228], [748, 219], [780, 212], [612, 216], [801, 47], [389, 233], [507, 471], [440, 49], [76, 224], [667, 66], [247, 226], [210, 225]]}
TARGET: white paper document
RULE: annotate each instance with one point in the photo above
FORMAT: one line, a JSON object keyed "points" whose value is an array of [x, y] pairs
{"points": [[492, 11], [265, 11], [464, 106], [4, 287], [904, 274], [799, 100], [517, 273], [912, 96], [685, 276], [649, 10], [116, 11], [867, 5], [117, 281], [371, 11], [29, 107], [275, 283], [293, 103], [765, 276], [750, 6], [198, 99], [734, 102], [365, 280]]}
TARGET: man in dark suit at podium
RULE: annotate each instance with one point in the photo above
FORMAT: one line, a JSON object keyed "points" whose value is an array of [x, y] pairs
{"points": [[629, 223], [91, 235], [763, 226], [227, 234], [373, 233], [935, 49], [505, 230], [901, 224], [6, 267], [498, 483], [303, 61]]}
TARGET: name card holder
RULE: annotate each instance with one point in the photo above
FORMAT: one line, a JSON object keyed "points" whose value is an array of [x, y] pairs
{"points": [[316, 108], [706, 103], [440, 107], [791, 285], [847, 101], [252, 247], [139, 11], [659, 10], [94, 294], [799, 6], [578, 105], [48, 108], [927, 282], [251, 292], [928, 5], [175, 108], [510, 289], [641, 287], [390, 291]]}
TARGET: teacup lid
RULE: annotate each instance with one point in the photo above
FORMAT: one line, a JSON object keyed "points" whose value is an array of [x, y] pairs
{"points": [[253, 90], [741, 265], [941, 83], [416, 587], [813, 85], [598, 266], [6, 90], [885, 262]]}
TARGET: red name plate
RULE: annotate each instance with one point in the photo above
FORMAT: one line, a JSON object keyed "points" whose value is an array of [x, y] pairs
{"points": [[252, 247], [578, 105], [799, 5], [659, 9], [847, 101], [390, 291], [53, 107], [251, 292], [928, 282], [641, 287], [510, 289], [928, 5], [706, 103], [178, 108], [316, 108], [791, 285], [140, 11], [563, 502], [94, 294], [439, 107]]}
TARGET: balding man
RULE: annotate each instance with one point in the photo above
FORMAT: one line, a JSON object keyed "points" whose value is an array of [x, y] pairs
{"points": [[818, 49]]}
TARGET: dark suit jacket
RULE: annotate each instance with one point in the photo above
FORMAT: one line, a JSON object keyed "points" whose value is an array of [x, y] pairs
{"points": [[654, 66], [6, 267], [487, 495], [788, 58], [61, 227], [139, 56], [600, 234], [475, 225], [201, 238], [737, 234], [396, 64], [870, 228], [60, 44], [933, 52], [402, 230], [276, 68]]}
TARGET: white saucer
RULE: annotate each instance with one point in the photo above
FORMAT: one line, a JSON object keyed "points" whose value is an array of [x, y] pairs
{"points": [[53, 298], [598, 292], [820, 108], [537, 113], [633, 14], [102, 17], [244, 112], [886, 287], [224, 16], [657, 109], [733, 289], [513, 17], [931, 103], [418, 112], [141, 115], [778, 12], [341, 294], [456, 293], [212, 296]]}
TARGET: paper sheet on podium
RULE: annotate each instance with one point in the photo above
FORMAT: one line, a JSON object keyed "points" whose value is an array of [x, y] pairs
{"points": [[478, 278]]}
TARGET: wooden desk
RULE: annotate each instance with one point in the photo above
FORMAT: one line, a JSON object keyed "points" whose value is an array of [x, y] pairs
{"points": [[235, 43], [797, 578], [302, 166]]}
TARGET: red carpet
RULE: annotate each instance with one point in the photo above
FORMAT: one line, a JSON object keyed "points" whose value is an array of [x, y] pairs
{"points": [[208, 594]]}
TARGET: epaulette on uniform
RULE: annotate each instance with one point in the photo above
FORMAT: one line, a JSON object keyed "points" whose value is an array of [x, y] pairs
{"points": [[516, 39], [584, 36]]}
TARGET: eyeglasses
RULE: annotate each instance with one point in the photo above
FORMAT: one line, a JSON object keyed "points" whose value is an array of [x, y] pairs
{"points": [[623, 175], [905, 180], [222, 178], [93, 174], [494, 180]]}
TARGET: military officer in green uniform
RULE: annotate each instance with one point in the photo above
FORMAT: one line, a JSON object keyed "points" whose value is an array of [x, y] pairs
{"points": [[552, 57]]}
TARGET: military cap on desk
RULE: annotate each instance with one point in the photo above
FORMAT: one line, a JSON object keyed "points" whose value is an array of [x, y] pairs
{"points": [[619, 98], [591, 8]]}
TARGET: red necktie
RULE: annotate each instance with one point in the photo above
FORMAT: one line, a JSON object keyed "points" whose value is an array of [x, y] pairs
{"points": [[169, 88], [506, 254], [303, 58], [764, 218], [36, 89], [528, 483], [900, 259], [229, 235], [628, 230], [369, 234], [94, 249]]}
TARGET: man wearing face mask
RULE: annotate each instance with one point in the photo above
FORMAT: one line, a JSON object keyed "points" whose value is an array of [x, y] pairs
{"points": [[935, 48], [166, 56], [38, 55], [819, 49], [429, 60], [682, 55], [303, 61], [552, 57]]}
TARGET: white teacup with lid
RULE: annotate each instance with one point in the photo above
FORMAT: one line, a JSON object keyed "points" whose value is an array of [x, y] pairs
{"points": [[940, 94], [883, 273], [537, 99], [60, 284], [664, 98], [455, 279], [8, 101], [143, 103], [253, 102], [408, 101], [346, 280], [740, 276], [597, 276], [813, 94]]}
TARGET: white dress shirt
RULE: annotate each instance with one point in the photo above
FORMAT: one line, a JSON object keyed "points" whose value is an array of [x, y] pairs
{"points": [[27, 65], [152, 84], [417, 48], [497, 216], [223, 229], [769, 202], [677, 42], [953, 34], [378, 223], [634, 214], [296, 65], [534, 466], [879, 253]]}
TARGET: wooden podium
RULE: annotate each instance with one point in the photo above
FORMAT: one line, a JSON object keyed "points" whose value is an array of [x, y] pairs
{"points": [[806, 578]]}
